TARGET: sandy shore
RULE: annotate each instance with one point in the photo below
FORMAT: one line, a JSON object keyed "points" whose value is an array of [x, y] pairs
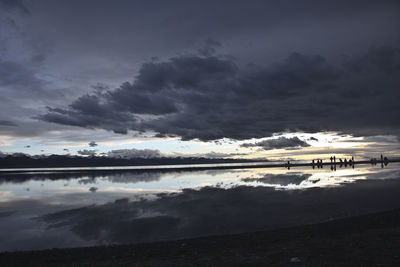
{"points": [[368, 240]]}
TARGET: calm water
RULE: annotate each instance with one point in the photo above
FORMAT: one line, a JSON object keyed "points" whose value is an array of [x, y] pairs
{"points": [[138, 168], [46, 210]]}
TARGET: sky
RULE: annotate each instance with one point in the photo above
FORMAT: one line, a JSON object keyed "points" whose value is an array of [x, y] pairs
{"points": [[242, 79]]}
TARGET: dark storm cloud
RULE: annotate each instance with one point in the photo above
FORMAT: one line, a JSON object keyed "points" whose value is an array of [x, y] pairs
{"points": [[209, 47], [124, 35], [22, 92], [279, 143], [19, 81], [92, 144], [262, 29], [15, 4], [211, 97], [7, 123], [93, 189]]}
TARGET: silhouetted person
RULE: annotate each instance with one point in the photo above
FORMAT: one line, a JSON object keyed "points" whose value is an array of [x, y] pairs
{"points": [[334, 159], [331, 159], [386, 161], [345, 162]]}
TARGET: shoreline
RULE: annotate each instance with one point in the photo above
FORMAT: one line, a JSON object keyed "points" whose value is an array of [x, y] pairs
{"points": [[371, 239], [193, 167]]}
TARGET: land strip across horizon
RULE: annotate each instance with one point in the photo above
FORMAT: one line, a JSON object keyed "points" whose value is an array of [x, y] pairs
{"points": [[194, 167]]}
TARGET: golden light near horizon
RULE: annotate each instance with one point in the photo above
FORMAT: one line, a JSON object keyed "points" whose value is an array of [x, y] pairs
{"points": [[322, 146]]}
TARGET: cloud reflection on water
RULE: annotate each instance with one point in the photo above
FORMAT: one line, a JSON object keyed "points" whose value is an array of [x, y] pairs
{"points": [[211, 210], [140, 207]]}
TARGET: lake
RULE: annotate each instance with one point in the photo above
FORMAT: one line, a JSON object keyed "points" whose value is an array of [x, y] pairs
{"points": [[77, 208]]}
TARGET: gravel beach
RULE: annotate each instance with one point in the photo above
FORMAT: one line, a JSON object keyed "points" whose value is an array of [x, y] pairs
{"points": [[368, 240]]}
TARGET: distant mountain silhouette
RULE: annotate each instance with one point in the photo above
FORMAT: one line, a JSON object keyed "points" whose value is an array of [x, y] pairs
{"points": [[25, 161]]}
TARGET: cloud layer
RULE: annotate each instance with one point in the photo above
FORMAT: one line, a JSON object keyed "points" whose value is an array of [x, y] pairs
{"points": [[279, 143], [124, 36], [208, 97]]}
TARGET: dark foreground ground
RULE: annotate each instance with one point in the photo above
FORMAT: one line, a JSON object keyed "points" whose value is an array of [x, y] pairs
{"points": [[369, 240]]}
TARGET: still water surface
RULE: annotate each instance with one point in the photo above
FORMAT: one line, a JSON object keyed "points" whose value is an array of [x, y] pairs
{"points": [[46, 210]]}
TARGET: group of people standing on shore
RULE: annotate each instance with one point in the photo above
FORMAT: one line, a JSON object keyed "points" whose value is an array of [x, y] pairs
{"points": [[333, 162], [319, 163], [383, 161]]}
